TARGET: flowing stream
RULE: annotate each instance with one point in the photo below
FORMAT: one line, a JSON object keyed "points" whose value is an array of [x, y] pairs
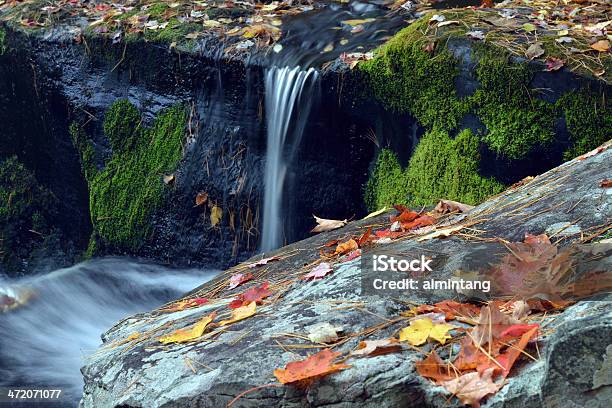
{"points": [[288, 103], [43, 342]]}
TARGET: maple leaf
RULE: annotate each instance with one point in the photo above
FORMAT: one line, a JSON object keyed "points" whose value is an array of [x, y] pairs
{"points": [[405, 216], [327, 225], [508, 358], [184, 335], [373, 348], [255, 294], [421, 329], [451, 309], [240, 313], [238, 279], [433, 367], [352, 255], [319, 272], [554, 64], [470, 388], [470, 356], [316, 365], [264, 261], [364, 237], [491, 324], [422, 221]]}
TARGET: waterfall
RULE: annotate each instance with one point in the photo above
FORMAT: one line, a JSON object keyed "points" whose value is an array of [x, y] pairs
{"points": [[44, 342], [287, 109]]}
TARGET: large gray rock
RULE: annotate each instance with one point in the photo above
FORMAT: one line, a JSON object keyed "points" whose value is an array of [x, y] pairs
{"points": [[574, 351]]}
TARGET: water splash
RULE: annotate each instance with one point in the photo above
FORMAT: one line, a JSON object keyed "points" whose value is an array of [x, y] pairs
{"points": [[44, 342], [285, 91]]}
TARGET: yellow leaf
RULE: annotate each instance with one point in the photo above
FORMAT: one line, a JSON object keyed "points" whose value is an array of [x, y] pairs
{"points": [[216, 213], [354, 23], [375, 213], [439, 332], [133, 336], [240, 314], [419, 330], [601, 45], [417, 333], [183, 335]]}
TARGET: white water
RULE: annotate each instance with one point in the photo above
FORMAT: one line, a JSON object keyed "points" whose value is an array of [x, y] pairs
{"points": [[287, 109], [44, 342]]}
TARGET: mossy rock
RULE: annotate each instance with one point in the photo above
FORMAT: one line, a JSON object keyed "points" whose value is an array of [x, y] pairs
{"points": [[440, 167], [129, 190], [27, 213]]}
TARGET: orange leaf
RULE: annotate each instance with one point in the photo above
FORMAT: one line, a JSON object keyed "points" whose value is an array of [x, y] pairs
{"points": [[419, 222], [256, 294], [347, 246], [373, 348], [433, 367], [508, 358], [405, 216], [201, 198], [317, 365], [365, 237]]}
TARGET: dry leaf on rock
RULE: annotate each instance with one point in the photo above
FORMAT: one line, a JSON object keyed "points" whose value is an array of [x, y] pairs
{"points": [[240, 314], [433, 367], [324, 333], [216, 213], [183, 335], [319, 271], [264, 261], [472, 387], [448, 206], [442, 232], [314, 366], [327, 225], [375, 213], [373, 348], [201, 198], [420, 330], [238, 279], [347, 246]]}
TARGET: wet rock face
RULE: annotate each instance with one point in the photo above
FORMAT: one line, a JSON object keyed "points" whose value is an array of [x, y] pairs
{"points": [[574, 348]]}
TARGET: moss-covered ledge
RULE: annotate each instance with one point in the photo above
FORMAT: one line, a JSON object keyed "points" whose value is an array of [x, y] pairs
{"points": [[442, 78], [125, 194]]}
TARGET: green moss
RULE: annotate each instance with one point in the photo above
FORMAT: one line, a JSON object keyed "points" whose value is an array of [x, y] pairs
{"points": [[516, 120], [86, 151], [588, 117], [27, 211], [440, 167], [387, 185], [156, 10], [407, 79], [124, 195]]}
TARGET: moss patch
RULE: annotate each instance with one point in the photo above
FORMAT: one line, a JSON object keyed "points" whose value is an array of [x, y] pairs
{"points": [[129, 190], [516, 120], [2, 41], [405, 78], [588, 117], [26, 213], [440, 167]]}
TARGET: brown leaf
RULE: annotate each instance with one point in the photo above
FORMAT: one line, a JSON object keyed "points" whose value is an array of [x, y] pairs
{"points": [[433, 367], [535, 50], [601, 45], [472, 387], [373, 348], [347, 246], [605, 183], [201, 198], [448, 206]]}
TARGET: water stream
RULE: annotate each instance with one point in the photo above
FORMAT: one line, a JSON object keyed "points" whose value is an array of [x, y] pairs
{"points": [[44, 342], [288, 102]]}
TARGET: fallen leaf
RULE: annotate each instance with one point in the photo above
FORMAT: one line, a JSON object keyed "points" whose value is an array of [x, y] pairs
{"points": [[491, 324], [168, 179], [405, 216], [508, 358], [433, 367], [535, 50], [601, 45], [317, 365], [324, 333], [184, 304], [263, 262], [449, 22], [327, 225], [442, 232], [472, 387], [554, 64], [364, 237], [255, 294], [347, 246], [184, 335], [352, 255], [373, 348], [201, 198], [520, 310], [420, 330], [438, 18], [319, 272], [216, 213], [448, 206], [375, 213], [476, 35], [605, 183], [240, 313], [422, 221], [238, 279], [529, 27]]}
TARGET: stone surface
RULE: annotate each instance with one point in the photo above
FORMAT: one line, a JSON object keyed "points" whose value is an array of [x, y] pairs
{"points": [[573, 351]]}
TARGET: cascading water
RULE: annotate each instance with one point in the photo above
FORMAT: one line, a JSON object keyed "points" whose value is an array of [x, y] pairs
{"points": [[44, 342], [288, 102]]}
